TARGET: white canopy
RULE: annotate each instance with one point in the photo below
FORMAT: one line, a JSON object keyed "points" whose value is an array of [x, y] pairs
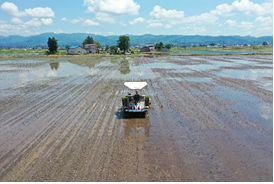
{"points": [[135, 85]]}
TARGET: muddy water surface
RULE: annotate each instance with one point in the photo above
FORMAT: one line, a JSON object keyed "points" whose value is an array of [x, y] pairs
{"points": [[211, 119]]}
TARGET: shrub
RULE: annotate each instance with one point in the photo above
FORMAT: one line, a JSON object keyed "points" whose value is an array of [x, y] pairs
{"points": [[146, 100], [125, 101]]}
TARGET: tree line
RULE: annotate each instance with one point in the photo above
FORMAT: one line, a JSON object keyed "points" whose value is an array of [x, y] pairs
{"points": [[123, 43]]}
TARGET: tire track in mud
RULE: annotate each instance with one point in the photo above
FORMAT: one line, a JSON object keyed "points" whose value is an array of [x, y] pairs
{"points": [[47, 103], [216, 103], [266, 95], [46, 131], [76, 136], [75, 131]]}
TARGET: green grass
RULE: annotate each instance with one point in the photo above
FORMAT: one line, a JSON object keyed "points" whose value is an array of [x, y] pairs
{"points": [[26, 52], [229, 48]]}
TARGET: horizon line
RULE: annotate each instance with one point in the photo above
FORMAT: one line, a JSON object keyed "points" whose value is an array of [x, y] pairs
{"points": [[133, 35]]}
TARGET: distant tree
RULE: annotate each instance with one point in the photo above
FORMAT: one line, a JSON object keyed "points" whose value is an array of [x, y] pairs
{"points": [[123, 43], [265, 43], [159, 46], [212, 44], [107, 47], [67, 47], [52, 45], [168, 46], [113, 49], [88, 40], [99, 45]]}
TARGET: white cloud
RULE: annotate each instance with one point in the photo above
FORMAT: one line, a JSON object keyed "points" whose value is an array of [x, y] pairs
{"points": [[58, 31], [12, 9], [64, 19], [89, 22], [155, 25], [243, 24], [262, 31], [122, 24], [17, 26], [183, 28], [34, 22], [177, 17], [231, 23], [243, 6], [138, 20], [197, 19], [94, 32], [104, 17], [75, 21], [246, 25], [47, 22], [3, 22], [115, 7], [40, 12], [168, 26], [193, 30], [161, 14], [265, 21], [110, 33], [16, 20], [8, 28]]}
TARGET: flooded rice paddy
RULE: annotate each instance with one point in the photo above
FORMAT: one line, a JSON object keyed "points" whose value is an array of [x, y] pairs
{"points": [[211, 119]]}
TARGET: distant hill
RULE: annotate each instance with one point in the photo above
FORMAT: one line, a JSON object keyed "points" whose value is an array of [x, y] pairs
{"points": [[78, 38]]}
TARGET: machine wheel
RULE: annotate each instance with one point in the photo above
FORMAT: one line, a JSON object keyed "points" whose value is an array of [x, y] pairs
{"points": [[143, 114]]}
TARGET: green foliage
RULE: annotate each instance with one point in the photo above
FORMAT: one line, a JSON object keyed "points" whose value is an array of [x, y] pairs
{"points": [[265, 43], [113, 49], [88, 40], [123, 43], [146, 100], [125, 101], [52, 45], [99, 45], [159, 46], [168, 46], [107, 47]]}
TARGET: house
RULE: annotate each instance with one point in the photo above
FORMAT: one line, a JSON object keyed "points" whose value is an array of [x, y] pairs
{"points": [[92, 48], [151, 46], [74, 50], [145, 49]]}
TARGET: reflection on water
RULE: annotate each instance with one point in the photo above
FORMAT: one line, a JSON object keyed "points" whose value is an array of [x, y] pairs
{"points": [[54, 66], [250, 106], [204, 52], [90, 62], [266, 111], [124, 67], [138, 128]]}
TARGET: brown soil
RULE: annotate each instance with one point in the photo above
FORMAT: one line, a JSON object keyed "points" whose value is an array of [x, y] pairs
{"points": [[63, 121]]}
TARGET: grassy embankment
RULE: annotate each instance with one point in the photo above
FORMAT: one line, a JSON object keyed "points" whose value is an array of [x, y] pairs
{"points": [[19, 53], [230, 48]]}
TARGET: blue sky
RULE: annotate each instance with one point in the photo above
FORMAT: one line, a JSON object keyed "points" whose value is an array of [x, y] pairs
{"points": [[137, 17]]}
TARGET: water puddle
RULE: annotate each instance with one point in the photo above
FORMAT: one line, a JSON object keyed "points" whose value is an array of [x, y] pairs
{"points": [[197, 79], [252, 107], [248, 74], [204, 52]]}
